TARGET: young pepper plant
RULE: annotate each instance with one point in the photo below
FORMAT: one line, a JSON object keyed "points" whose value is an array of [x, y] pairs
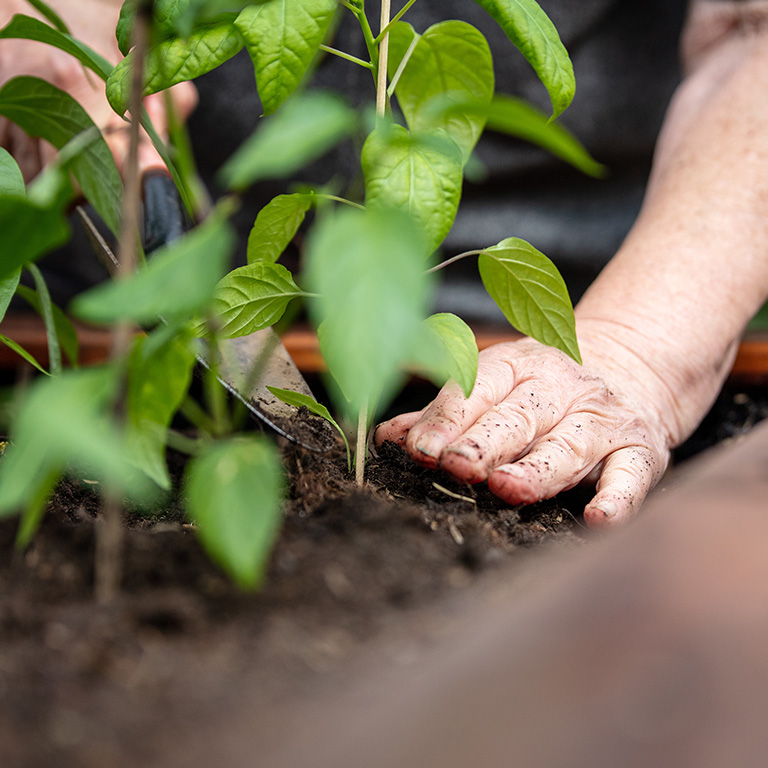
{"points": [[370, 305]]}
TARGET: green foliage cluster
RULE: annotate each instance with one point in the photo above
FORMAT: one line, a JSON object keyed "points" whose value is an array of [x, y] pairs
{"points": [[367, 278]]}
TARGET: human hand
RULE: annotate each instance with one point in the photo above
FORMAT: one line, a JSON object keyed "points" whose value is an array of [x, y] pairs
{"points": [[536, 424], [93, 22]]}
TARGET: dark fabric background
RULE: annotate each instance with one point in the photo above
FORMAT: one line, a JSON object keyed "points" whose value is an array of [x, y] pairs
{"points": [[625, 55]]}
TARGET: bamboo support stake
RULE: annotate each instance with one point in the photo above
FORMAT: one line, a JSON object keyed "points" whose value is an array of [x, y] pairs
{"points": [[361, 447], [381, 81]]}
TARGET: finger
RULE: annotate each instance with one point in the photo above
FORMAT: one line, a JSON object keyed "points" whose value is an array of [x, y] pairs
{"points": [[628, 475], [396, 430], [556, 462], [25, 151], [502, 434], [450, 413], [182, 99]]}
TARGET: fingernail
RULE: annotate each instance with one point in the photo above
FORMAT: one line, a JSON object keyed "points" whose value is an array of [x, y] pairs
{"points": [[608, 508], [431, 444], [513, 470]]}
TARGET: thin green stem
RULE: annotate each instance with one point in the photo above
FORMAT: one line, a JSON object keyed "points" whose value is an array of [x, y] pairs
{"points": [[197, 416], [399, 15], [324, 196], [215, 394], [452, 260], [401, 67], [46, 311], [361, 445], [359, 13], [185, 161], [182, 443], [347, 56]]}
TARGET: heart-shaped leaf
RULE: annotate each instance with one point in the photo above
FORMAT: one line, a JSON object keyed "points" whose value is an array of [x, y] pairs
{"points": [[535, 36], [275, 226], [233, 492], [531, 293], [453, 59], [367, 267], [252, 298], [418, 174], [282, 37]]}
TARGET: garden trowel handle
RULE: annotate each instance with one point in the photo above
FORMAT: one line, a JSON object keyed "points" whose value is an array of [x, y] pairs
{"points": [[164, 218]]}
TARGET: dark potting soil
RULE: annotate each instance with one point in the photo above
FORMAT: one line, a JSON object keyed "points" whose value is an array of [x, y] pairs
{"points": [[89, 685]]}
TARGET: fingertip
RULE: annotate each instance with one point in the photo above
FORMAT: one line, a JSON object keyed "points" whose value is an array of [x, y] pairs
{"points": [[606, 513], [465, 463], [395, 430], [427, 448], [512, 484]]}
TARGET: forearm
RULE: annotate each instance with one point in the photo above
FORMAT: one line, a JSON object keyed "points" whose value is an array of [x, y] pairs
{"points": [[673, 302]]}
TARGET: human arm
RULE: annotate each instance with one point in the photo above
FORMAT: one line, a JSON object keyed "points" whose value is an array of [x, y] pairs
{"points": [[659, 327], [93, 22]]}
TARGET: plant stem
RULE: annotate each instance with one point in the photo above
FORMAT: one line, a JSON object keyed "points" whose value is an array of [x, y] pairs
{"points": [[399, 15], [452, 260], [381, 73], [324, 196], [46, 310], [108, 564], [346, 56], [361, 446], [402, 66], [359, 12]]}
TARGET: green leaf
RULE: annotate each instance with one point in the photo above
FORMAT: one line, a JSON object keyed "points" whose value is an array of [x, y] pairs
{"points": [[451, 58], [233, 492], [535, 36], [65, 331], [27, 28], [276, 225], [304, 129], [516, 117], [19, 350], [401, 36], [447, 349], [282, 38], [531, 293], [28, 231], [300, 400], [47, 12], [11, 180], [46, 312], [195, 12], [252, 298], [175, 61], [42, 110], [367, 267], [419, 174], [8, 287], [164, 16], [179, 281], [66, 421], [158, 380]]}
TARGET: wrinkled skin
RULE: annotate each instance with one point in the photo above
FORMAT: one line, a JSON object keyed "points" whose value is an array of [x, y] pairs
{"points": [[93, 22], [535, 424], [659, 328]]}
